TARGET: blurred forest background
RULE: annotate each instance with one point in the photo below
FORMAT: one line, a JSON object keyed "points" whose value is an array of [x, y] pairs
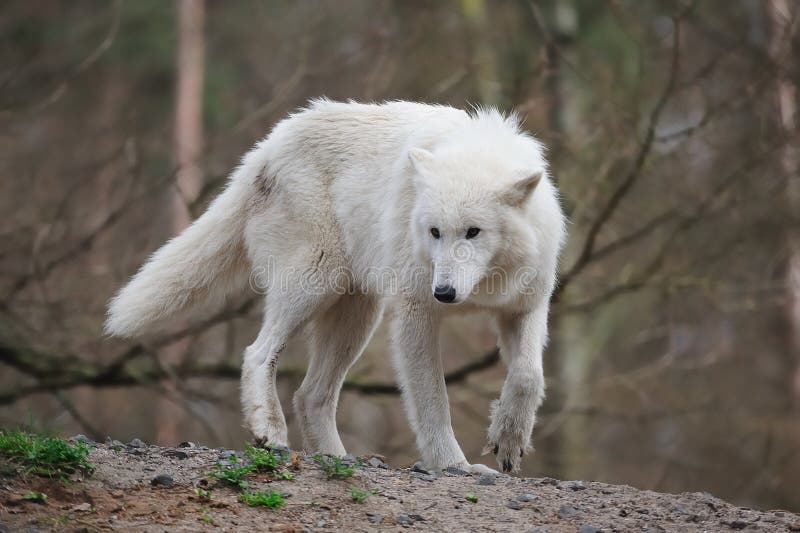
{"points": [[674, 361]]}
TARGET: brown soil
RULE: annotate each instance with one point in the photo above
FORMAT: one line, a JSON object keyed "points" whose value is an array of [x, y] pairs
{"points": [[119, 496]]}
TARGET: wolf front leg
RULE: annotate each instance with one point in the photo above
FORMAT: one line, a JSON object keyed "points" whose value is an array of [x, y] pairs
{"points": [[522, 340], [415, 344]]}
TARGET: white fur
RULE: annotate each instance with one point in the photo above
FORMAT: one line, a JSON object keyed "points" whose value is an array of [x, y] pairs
{"points": [[332, 213]]}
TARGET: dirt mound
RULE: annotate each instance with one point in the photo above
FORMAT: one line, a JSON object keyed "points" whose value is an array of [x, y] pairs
{"points": [[148, 488]]}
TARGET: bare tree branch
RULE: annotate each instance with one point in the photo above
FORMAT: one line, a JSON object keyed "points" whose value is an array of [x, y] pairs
{"points": [[82, 421], [684, 224], [81, 67], [585, 255], [59, 373]]}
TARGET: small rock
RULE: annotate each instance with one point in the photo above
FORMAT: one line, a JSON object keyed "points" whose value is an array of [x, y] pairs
{"points": [[514, 504], [456, 471], [82, 438], [527, 497], [228, 457], [537, 530], [589, 529], [117, 494], [548, 481], [374, 462], [404, 520], [186, 444], [486, 479], [736, 524], [696, 518], [715, 504], [424, 477], [575, 485], [349, 459], [135, 451], [163, 480], [418, 468], [416, 518], [82, 508], [175, 454], [375, 518], [680, 509], [288, 528], [284, 452], [137, 443], [567, 511]]}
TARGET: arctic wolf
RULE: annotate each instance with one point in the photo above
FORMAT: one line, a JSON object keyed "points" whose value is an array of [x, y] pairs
{"points": [[346, 209]]}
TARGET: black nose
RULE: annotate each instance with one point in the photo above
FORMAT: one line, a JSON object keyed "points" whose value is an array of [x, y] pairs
{"points": [[445, 293]]}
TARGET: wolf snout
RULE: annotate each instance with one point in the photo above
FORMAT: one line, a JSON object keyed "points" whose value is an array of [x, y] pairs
{"points": [[445, 293]]}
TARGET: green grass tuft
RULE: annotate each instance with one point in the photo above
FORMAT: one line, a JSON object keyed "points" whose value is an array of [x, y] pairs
{"points": [[261, 459], [40, 497], [359, 495], [233, 474], [333, 467], [44, 455], [471, 498], [270, 499], [205, 516], [258, 460]]}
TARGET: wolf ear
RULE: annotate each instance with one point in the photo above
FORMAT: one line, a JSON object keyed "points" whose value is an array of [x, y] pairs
{"points": [[520, 190], [422, 160]]}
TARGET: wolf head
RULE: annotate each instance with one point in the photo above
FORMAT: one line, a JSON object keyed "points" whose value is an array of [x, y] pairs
{"points": [[467, 189]]}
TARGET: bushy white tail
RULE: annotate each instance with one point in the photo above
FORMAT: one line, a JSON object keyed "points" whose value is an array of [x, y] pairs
{"points": [[200, 266]]}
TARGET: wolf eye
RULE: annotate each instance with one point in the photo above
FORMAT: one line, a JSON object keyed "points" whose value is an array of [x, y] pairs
{"points": [[473, 232], [435, 233]]}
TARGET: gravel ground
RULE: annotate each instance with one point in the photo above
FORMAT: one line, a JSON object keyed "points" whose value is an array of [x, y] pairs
{"points": [[149, 488]]}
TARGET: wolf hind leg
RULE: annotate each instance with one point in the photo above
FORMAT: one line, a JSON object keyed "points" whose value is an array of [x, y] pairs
{"points": [[288, 308], [338, 338]]}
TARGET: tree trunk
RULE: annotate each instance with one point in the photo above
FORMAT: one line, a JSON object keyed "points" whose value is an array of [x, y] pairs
{"points": [[483, 54], [189, 108], [781, 15], [188, 146]]}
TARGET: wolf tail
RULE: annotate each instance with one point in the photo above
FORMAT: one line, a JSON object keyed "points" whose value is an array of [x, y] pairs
{"points": [[202, 265]]}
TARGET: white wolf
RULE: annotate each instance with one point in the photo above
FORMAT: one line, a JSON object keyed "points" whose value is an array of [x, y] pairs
{"points": [[347, 208]]}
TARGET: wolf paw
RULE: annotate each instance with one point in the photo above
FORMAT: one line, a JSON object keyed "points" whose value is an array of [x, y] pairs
{"points": [[509, 456], [265, 436], [508, 446], [267, 444], [509, 436], [476, 468]]}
